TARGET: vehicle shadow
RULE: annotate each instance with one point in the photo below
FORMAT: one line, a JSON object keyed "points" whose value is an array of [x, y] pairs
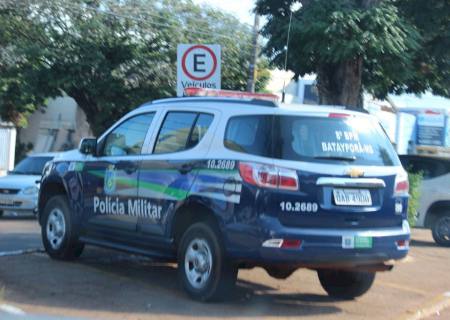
{"points": [[105, 281], [423, 243], [18, 217], [249, 298]]}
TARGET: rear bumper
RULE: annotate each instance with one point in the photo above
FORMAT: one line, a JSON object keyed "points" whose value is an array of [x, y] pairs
{"points": [[322, 248]]}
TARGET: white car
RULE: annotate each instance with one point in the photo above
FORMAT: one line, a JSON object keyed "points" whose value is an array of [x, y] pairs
{"points": [[19, 189], [434, 206]]}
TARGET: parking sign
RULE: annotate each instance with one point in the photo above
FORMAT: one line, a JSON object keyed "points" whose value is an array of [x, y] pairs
{"points": [[198, 66]]}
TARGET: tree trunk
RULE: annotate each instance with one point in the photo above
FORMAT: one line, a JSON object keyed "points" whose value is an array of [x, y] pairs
{"points": [[92, 112], [341, 83]]}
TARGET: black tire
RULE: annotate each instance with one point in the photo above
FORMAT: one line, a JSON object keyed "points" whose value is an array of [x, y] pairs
{"points": [[441, 230], [222, 275], [345, 284], [1, 213], [280, 273], [68, 248]]}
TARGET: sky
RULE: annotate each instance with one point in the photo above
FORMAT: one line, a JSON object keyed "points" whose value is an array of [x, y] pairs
{"points": [[242, 9]]}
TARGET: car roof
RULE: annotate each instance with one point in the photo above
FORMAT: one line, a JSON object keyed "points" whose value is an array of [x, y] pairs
{"points": [[238, 105]]}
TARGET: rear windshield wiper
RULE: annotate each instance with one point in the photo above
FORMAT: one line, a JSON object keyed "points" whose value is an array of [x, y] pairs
{"points": [[342, 158]]}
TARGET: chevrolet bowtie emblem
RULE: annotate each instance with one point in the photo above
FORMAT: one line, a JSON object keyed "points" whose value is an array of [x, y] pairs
{"points": [[355, 172]]}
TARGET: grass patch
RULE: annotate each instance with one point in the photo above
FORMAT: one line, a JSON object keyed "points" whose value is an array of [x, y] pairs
{"points": [[415, 179]]}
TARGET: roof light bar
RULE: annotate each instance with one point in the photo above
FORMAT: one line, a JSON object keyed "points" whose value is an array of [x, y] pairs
{"points": [[338, 115], [201, 92]]}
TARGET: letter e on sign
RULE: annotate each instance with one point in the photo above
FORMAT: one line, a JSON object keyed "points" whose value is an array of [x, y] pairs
{"points": [[198, 66]]}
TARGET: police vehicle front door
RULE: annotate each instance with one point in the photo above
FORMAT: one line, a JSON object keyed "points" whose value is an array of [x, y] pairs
{"points": [[168, 171], [111, 179]]}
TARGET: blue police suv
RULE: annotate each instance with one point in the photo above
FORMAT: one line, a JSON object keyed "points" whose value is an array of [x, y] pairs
{"points": [[217, 184]]}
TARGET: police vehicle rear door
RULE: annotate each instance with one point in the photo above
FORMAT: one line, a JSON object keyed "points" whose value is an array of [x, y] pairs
{"points": [[170, 166], [348, 173], [111, 179]]}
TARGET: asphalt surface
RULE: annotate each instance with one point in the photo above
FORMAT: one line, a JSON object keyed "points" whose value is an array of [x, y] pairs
{"points": [[19, 233], [105, 284]]}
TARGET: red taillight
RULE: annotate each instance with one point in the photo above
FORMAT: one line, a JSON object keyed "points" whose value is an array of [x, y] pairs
{"points": [[287, 179], [268, 176], [291, 244], [402, 244], [246, 171], [401, 184], [283, 243]]}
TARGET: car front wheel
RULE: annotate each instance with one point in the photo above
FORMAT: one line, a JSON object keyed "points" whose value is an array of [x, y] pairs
{"points": [[441, 230], [204, 272], [345, 284], [58, 234]]}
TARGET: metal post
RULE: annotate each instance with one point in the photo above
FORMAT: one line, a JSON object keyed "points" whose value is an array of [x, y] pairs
{"points": [[283, 95], [252, 67]]}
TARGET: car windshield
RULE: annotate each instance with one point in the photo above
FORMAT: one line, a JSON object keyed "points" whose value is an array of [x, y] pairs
{"points": [[31, 165]]}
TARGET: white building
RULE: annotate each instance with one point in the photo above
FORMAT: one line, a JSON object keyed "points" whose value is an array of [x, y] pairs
{"points": [[7, 146], [58, 127]]}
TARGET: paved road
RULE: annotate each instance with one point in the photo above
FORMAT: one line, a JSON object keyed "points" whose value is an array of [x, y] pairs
{"points": [[19, 234], [104, 284]]}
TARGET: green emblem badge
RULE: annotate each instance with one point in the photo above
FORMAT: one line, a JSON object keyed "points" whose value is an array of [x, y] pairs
{"points": [[110, 180]]}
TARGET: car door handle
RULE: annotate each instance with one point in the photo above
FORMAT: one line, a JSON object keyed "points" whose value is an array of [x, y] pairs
{"points": [[128, 166], [186, 168]]}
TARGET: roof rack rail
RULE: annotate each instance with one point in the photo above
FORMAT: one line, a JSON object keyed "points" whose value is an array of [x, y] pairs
{"points": [[362, 110], [341, 107], [254, 102]]}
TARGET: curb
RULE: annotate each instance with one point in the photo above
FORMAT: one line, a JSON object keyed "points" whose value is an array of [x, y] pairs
{"points": [[432, 307], [20, 252]]}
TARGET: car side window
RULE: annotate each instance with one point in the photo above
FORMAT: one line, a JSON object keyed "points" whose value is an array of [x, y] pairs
{"points": [[249, 134], [181, 131], [128, 137], [198, 132]]}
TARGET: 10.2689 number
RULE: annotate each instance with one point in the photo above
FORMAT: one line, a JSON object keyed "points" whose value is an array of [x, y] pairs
{"points": [[221, 164], [289, 206]]}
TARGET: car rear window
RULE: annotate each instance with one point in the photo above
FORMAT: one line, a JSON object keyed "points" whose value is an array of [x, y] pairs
{"points": [[356, 140]]}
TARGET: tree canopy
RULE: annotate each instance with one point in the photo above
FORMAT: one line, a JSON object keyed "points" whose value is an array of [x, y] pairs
{"points": [[109, 55], [379, 46]]}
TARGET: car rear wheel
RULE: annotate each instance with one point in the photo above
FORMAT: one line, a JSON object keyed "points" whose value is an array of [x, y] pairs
{"points": [[204, 272], [1, 213], [58, 234], [441, 230], [345, 284]]}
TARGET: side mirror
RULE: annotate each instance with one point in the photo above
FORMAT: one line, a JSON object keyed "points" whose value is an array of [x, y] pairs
{"points": [[88, 146]]}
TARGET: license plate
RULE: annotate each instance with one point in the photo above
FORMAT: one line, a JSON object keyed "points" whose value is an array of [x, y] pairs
{"points": [[352, 197], [357, 242], [6, 202]]}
